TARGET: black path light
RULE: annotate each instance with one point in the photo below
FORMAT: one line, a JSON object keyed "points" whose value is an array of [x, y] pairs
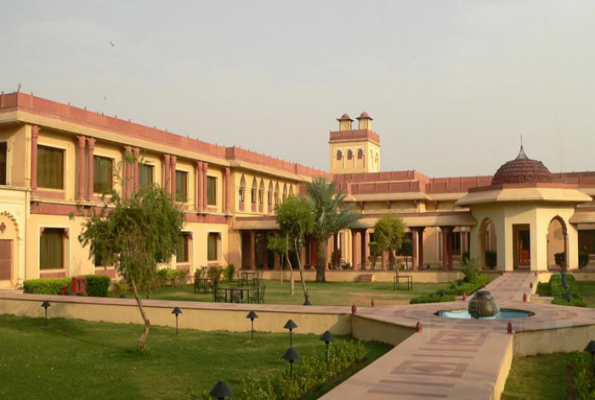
{"points": [[291, 326], [252, 316], [45, 305], [591, 349], [327, 337], [291, 355], [177, 312], [221, 390], [568, 296]]}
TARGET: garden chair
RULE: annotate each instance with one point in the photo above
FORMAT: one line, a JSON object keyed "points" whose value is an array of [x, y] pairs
{"points": [[261, 291]]}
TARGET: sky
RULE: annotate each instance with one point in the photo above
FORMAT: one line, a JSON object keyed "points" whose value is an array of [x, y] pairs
{"points": [[451, 85]]}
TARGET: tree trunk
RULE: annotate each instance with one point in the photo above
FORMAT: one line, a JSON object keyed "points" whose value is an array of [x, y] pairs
{"points": [[321, 262], [291, 281], [281, 266], [142, 347], [301, 268]]}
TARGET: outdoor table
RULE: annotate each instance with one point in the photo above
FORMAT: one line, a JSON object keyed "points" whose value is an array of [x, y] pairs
{"points": [[407, 278], [233, 293], [250, 277]]}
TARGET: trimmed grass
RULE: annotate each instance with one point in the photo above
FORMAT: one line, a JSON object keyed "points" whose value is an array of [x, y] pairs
{"points": [[321, 294], [72, 359], [541, 377], [587, 290]]}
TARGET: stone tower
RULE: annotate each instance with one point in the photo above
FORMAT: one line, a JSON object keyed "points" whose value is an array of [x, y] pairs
{"points": [[354, 150]]}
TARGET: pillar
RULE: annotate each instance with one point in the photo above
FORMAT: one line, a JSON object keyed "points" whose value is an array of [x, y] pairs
{"points": [[90, 151], [265, 256], [354, 249], [136, 177], [205, 168], [166, 173], [173, 162], [228, 189], [34, 138], [276, 261], [336, 250], [199, 185], [80, 196], [414, 259], [420, 247], [446, 247], [127, 172], [252, 249], [364, 242]]}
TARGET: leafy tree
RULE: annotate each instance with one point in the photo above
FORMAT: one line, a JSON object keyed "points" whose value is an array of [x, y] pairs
{"points": [[331, 214], [137, 233], [388, 235], [280, 245], [295, 218]]}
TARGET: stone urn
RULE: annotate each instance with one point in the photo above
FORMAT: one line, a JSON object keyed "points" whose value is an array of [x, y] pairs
{"points": [[483, 305]]}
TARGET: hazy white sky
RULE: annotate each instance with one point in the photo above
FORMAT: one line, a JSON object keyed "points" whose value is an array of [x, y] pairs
{"points": [[451, 85]]}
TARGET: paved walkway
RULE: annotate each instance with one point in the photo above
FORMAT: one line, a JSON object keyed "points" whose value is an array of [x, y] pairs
{"points": [[450, 358]]}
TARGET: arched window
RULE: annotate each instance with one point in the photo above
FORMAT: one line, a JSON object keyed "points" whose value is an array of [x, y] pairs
{"points": [[242, 189], [254, 190], [285, 192], [261, 192], [360, 154], [339, 155], [270, 194], [277, 191], [350, 155], [291, 190]]}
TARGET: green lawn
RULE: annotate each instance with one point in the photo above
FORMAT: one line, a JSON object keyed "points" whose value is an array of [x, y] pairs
{"points": [[588, 292], [321, 294], [72, 359], [540, 377]]}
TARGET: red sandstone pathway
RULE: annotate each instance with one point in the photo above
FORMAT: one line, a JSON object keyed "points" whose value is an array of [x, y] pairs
{"points": [[450, 358]]}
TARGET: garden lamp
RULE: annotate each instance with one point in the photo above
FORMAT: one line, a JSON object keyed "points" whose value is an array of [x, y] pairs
{"points": [[221, 390], [591, 349], [177, 312], [568, 296], [122, 296], [291, 355], [291, 326], [252, 315], [307, 302], [45, 305], [327, 337]]}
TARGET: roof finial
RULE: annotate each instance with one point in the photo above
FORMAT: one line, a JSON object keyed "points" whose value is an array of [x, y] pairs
{"points": [[522, 155]]}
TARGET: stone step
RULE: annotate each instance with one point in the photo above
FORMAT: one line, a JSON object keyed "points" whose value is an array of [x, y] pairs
{"points": [[366, 278]]}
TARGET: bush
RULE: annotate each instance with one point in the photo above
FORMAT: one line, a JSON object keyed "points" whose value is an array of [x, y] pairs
{"points": [[466, 256], [558, 290], [214, 274], [46, 285], [309, 374], [98, 285], [582, 376], [346, 266], [491, 258], [120, 287], [456, 288], [583, 260], [469, 268], [229, 272], [432, 298], [560, 259]]}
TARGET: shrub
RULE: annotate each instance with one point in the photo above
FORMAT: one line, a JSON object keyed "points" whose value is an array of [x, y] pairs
{"points": [[214, 274], [230, 272], [120, 287], [432, 298], [560, 259], [466, 256], [346, 266], [181, 277], [582, 376], [491, 258], [456, 288], [98, 285], [583, 259], [558, 290], [469, 268], [46, 285]]}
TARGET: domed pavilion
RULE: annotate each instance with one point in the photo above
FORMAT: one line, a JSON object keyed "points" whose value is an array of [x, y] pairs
{"points": [[527, 213]]}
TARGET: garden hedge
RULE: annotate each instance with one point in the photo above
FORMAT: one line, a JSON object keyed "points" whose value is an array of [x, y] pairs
{"points": [[97, 285], [457, 288]]}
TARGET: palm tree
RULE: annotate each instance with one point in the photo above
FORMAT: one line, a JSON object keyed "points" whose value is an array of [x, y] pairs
{"points": [[331, 214]]}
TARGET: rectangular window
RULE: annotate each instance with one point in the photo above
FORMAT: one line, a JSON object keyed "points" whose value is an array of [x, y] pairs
{"points": [[103, 174], [51, 253], [211, 191], [50, 167], [145, 174], [182, 255], [181, 186], [212, 240], [586, 240], [456, 243], [3, 162]]}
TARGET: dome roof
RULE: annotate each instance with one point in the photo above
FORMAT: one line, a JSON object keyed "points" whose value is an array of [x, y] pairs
{"points": [[522, 170], [344, 117], [364, 115]]}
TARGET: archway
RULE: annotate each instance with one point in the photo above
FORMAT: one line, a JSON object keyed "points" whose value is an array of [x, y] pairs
{"points": [[9, 260], [557, 242], [488, 244]]}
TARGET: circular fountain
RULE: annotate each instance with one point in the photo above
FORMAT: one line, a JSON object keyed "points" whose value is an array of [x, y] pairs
{"points": [[484, 306]]}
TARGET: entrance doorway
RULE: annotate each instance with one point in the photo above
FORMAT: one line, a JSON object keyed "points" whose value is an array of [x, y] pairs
{"points": [[522, 245], [5, 260]]}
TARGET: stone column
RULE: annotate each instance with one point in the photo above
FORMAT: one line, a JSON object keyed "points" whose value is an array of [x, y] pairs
{"points": [[446, 244], [252, 249], [34, 138], [364, 241], [127, 172], [276, 261], [199, 186], [80, 196], [166, 173], [449, 240], [336, 250], [354, 249], [228, 189], [205, 167], [414, 260], [173, 160], [265, 255], [420, 248], [90, 151], [136, 177]]}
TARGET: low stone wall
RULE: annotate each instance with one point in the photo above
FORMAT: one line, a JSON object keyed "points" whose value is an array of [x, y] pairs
{"points": [[378, 331], [379, 276], [561, 340], [200, 316]]}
